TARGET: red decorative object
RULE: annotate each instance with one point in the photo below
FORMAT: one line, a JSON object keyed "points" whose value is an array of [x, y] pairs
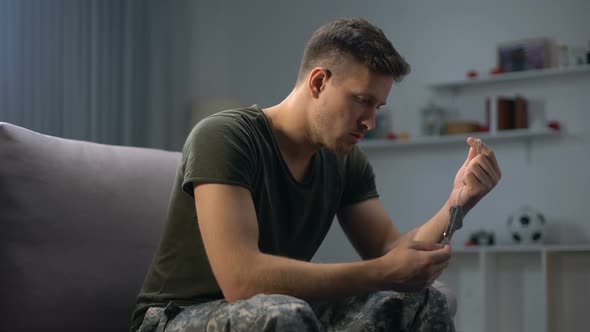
{"points": [[472, 74], [496, 71], [390, 136], [555, 125], [483, 129]]}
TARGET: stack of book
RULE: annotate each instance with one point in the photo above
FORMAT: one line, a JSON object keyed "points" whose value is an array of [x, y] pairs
{"points": [[506, 113]]}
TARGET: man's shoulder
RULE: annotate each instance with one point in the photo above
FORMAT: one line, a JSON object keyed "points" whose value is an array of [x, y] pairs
{"points": [[227, 123], [233, 116]]}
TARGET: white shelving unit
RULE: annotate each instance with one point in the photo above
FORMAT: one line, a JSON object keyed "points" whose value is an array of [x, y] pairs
{"points": [[511, 288], [521, 288], [517, 288]]}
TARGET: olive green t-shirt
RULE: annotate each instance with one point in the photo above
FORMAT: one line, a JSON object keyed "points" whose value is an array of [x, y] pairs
{"points": [[237, 147]]}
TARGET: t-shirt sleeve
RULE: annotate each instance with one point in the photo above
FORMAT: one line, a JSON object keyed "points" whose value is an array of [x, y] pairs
{"points": [[218, 150], [359, 178]]}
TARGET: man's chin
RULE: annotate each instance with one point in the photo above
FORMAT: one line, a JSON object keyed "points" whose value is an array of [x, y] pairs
{"points": [[340, 148]]}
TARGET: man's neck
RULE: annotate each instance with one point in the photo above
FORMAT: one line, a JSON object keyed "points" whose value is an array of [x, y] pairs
{"points": [[289, 123]]}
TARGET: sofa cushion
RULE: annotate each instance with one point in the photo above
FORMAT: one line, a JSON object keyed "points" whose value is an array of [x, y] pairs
{"points": [[79, 222]]}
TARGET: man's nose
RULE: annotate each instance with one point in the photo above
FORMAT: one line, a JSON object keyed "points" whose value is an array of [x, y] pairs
{"points": [[369, 120]]}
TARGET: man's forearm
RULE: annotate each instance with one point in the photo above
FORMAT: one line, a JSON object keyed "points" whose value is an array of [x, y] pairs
{"points": [[308, 281], [433, 229]]}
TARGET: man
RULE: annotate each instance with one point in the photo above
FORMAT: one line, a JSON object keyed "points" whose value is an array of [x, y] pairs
{"points": [[257, 190]]}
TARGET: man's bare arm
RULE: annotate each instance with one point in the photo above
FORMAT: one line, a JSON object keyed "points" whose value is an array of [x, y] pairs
{"points": [[229, 228], [369, 228], [372, 232]]}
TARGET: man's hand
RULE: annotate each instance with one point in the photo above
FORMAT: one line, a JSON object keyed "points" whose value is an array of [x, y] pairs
{"points": [[478, 176], [413, 265]]}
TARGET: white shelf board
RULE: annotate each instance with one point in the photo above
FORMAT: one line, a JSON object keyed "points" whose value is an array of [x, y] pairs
{"points": [[512, 76], [567, 248], [523, 248], [376, 144], [500, 249]]}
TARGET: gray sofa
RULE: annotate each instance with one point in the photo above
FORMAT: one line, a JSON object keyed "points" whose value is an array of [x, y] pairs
{"points": [[80, 222]]}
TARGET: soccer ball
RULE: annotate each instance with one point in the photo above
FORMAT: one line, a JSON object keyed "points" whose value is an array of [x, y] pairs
{"points": [[526, 226]]}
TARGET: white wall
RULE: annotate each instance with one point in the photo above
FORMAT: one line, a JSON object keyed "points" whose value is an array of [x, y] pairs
{"points": [[250, 51]]}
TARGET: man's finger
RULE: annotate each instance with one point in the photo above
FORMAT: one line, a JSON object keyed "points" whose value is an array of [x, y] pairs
{"points": [[425, 246], [488, 167], [485, 165], [492, 159], [439, 256], [436, 256], [480, 175], [470, 155], [473, 150], [488, 153]]}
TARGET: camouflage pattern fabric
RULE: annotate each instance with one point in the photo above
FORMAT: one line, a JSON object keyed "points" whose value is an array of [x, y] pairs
{"points": [[381, 311]]}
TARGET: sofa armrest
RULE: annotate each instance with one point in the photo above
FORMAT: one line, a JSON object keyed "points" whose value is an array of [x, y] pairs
{"points": [[80, 223]]}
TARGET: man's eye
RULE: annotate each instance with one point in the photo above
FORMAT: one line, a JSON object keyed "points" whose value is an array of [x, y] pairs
{"points": [[364, 101]]}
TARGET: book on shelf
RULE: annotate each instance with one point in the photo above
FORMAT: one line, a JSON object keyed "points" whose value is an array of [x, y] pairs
{"points": [[506, 113]]}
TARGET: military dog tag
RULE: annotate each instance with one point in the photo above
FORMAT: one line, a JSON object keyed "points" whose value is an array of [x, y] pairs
{"points": [[455, 223]]}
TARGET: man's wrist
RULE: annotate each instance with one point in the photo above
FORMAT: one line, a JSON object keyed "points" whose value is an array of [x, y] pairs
{"points": [[454, 200]]}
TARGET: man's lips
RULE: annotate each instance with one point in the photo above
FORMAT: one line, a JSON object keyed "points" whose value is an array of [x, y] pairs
{"points": [[357, 135]]}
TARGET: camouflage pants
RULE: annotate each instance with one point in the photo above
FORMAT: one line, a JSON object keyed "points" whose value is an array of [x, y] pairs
{"points": [[382, 311]]}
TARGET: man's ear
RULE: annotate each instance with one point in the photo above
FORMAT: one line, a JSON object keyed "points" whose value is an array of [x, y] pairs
{"points": [[318, 78]]}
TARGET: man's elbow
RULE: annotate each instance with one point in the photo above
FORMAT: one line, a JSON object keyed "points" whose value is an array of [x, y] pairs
{"points": [[231, 298], [237, 289], [239, 283]]}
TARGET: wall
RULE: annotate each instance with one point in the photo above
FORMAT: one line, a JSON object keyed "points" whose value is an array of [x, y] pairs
{"points": [[252, 55]]}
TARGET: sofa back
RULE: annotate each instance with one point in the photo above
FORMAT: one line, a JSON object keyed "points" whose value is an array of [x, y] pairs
{"points": [[79, 224]]}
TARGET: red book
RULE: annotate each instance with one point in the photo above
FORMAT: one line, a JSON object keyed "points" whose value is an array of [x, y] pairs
{"points": [[505, 109], [520, 113]]}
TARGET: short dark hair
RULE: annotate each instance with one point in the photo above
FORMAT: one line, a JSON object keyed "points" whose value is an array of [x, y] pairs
{"points": [[358, 38]]}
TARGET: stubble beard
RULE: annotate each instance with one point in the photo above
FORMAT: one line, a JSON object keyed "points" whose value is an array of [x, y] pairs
{"points": [[322, 129]]}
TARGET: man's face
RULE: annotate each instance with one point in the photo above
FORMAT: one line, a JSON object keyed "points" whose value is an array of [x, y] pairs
{"points": [[348, 104]]}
